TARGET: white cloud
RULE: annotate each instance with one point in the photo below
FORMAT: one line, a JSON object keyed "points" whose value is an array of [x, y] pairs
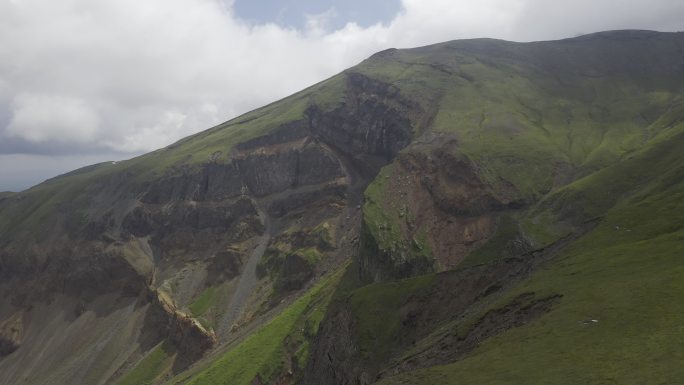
{"points": [[133, 76], [42, 118], [317, 24], [440, 20], [555, 20]]}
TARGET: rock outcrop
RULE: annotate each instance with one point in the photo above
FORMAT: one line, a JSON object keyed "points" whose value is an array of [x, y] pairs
{"points": [[11, 334]]}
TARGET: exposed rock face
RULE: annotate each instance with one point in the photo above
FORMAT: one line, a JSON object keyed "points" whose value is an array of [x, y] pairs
{"points": [[269, 170], [11, 334], [451, 179], [264, 166], [336, 357], [521, 310], [270, 173], [134, 254], [371, 126], [223, 266], [316, 165], [285, 133], [452, 296], [137, 235], [297, 201], [336, 360], [443, 209], [294, 272], [81, 269], [376, 264], [189, 337], [187, 229]]}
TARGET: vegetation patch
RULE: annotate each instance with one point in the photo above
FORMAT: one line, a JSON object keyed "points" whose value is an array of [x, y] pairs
{"points": [[204, 302], [506, 242], [291, 260], [157, 361], [265, 352], [620, 284], [382, 218], [376, 309]]}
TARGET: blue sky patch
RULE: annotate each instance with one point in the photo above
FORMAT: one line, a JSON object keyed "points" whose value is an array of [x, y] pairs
{"points": [[292, 13]]}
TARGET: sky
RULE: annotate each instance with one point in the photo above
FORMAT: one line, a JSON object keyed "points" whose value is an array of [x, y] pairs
{"points": [[84, 81]]}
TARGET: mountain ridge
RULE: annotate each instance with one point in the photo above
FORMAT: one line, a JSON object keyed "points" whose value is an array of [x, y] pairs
{"points": [[494, 158]]}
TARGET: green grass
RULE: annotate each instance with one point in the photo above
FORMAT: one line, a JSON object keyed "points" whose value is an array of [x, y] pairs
{"points": [[262, 353], [517, 122], [632, 287], [325, 234], [376, 310], [649, 170], [496, 246], [35, 208], [383, 219], [272, 263], [204, 302], [375, 215], [147, 370], [626, 273], [311, 254]]}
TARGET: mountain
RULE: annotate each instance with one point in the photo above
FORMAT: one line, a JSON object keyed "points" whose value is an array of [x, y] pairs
{"points": [[476, 211]]}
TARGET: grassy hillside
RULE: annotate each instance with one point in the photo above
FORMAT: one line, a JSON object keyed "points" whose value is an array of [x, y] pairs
{"points": [[547, 176], [73, 192], [532, 117], [580, 130], [619, 320], [522, 111], [279, 347]]}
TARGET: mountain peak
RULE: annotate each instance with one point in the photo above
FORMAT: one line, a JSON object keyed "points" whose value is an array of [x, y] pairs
{"points": [[432, 213]]}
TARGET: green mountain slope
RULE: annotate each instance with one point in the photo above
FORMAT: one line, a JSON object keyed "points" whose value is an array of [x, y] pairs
{"points": [[618, 319], [476, 211]]}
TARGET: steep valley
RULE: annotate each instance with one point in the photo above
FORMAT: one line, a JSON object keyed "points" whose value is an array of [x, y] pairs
{"points": [[471, 212]]}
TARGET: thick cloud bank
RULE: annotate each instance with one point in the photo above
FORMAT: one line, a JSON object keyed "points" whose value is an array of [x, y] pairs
{"points": [[125, 76]]}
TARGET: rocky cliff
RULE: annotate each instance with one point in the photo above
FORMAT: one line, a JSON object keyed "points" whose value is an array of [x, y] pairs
{"points": [[391, 219]]}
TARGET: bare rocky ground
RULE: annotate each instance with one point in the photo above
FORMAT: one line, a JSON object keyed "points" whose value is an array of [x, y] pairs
{"points": [[57, 345]]}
